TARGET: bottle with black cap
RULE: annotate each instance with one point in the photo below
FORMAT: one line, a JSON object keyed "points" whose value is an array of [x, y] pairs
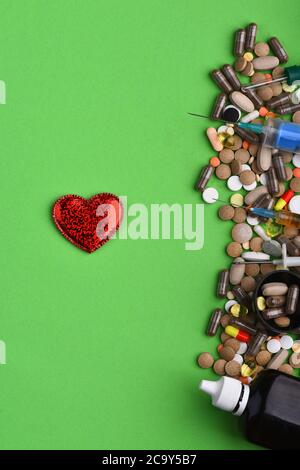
{"points": [[269, 409]]}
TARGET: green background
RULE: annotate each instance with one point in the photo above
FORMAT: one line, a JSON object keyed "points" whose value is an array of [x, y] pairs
{"points": [[101, 348]]}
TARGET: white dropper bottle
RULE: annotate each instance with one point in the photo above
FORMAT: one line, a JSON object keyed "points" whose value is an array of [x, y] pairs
{"points": [[227, 394]]}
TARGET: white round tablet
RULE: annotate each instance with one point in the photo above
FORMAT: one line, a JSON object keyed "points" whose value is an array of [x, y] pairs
{"points": [[296, 160], [234, 183], [229, 304], [222, 129], [294, 204], [252, 220], [273, 346], [243, 348], [286, 342], [263, 179], [250, 187], [238, 358], [210, 195], [255, 256], [245, 167]]}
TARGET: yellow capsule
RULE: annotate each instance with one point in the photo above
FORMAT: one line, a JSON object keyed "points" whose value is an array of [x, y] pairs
{"points": [[235, 310], [280, 204], [246, 371], [229, 142], [231, 331], [261, 303], [222, 137], [248, 56]]}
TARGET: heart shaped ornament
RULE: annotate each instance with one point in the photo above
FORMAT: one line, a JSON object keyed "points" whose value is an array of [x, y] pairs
{"points": [[88, 223]]}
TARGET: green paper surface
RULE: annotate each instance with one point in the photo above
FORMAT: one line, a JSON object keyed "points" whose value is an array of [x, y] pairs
{"points": [[101, 348]]}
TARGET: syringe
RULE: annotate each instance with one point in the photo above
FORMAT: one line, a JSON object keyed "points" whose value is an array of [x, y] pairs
{"points": [[277, 133], [289, 219], [291, 76]]}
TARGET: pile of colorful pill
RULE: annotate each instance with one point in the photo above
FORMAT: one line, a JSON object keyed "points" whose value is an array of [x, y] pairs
{"points": [[259, 177]]}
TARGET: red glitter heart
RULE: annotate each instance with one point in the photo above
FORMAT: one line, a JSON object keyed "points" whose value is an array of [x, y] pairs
{"points": [[88, 223]]}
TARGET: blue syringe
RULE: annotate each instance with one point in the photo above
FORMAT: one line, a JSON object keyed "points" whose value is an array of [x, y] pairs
{"points": [[277, 133], [287, 218]]}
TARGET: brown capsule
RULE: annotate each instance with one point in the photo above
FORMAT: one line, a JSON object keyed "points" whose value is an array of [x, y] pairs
{"points": [[246, 135], [292, 249], [292, 299], [239, 42], [256, 343], [272, 313], [223, 283], [272, 181], [243, 325], [288, 108], [231, 76], [205, 176], [219, 106], [281, 100], [242, 297], [279, 167], [275, 301], [214, 322], [253, 96], [221, 81], [250, 37], [278, 50], [263, 201]]}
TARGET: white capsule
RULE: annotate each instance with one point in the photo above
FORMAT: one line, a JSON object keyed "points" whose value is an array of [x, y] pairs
{"points": [[250, 116], [261, 233]]}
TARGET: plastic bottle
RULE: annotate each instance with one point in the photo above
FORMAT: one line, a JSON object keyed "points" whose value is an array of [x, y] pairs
{"points": [[269, 409]]}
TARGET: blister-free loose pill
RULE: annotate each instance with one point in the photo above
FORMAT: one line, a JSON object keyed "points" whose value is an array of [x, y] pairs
{"points": [[225, 320], [226, 155], [243, 348], [234, 183], [214, 322], [248, 56], [205, 360], [250, 40], [241, 101], [223, 171], [296, 346], [251, 197], [227, 353], [233, 343], [240, 335], [231, 76], [226, 212], [286, 342], [278, 50], [295, 360], [232, 368], [273, 346], [214, 162], [247, 177], [236, 273], [292, 299], [214, 140], [282, 322], [286, 369], [278, 359], [250, 187], [265, 93], [267, 268], [221, 81], [222, 286], [256, 244], [274, 288], [263, 357], [224, 336], [239, 215], [242, 156], [219, 105], [276, 301], [296, 117], [256, 342], [272, 313], [237, 200], [272, 181], [250, 116], [237, 142], [241, 233], [252, 269], [240, 64], [242, 325], [239, 42], [261, 303], [272, 248], [230, 295], [295, 185], [248, 284], [210, 195], [261, 49], [219, 367], [294, 204], [265, 63], [229, 304], [236, 168], [205, 176], [234, 249]]}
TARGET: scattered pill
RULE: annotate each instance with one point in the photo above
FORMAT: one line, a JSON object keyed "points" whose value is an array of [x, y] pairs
{"points": [[214, 140], [241, 233], [286, 342], [219, 367], [234, 183], [294, 205], [233, 368], [273, 346], [277, 360], [205, 360], [263, 357], [229, 304], [210, 195], [227, 352], [286, 369]]}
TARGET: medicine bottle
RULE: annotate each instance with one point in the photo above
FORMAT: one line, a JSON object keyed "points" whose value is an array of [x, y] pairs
{"points": [[269, 409]]}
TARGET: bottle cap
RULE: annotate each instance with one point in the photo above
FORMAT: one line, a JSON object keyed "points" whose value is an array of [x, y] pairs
{"points": [[227, 394]]}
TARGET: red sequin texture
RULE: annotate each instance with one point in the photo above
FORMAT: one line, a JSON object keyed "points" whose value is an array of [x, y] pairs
{"points": [[88, 223]]}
